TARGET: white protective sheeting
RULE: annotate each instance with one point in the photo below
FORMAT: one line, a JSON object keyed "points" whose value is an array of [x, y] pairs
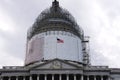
{"points": [[35, 50], [46, 47]]}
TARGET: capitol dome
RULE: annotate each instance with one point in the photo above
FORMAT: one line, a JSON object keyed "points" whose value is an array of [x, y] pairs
{"points": [[54, 34], [55, 19]]}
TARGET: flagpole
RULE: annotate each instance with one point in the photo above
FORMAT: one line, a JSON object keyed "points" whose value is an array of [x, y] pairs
{"points": [[58, 41], [56, 47], [78, 49]]}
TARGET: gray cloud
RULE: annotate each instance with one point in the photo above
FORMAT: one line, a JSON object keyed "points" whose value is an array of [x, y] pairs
{"points": [[98, 18]]}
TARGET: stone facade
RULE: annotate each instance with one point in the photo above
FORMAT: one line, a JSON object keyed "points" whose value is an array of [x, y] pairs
{"points": [[59, 70]]}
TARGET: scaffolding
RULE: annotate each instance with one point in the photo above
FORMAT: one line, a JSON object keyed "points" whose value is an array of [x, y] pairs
{"points": [[55, 15], [86, 50]]}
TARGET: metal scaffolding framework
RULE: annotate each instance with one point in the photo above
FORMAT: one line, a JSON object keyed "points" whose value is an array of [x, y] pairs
{"points": [[53, 16]]}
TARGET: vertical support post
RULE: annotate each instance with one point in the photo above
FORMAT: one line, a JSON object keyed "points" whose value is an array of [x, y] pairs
{"points": [[67, 77], [74, 76], [37, 77], [60, 77], [88, 77], [23, 77], [30, 77], [45, 78], [1, 78], [9, 78], [78, 49], [56, 46], [81, 77], [16, 77], [52, 76], [101, 77], [94, 77], [109, 78]]}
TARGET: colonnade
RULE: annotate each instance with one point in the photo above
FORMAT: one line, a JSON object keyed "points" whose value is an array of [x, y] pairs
{"points": [[57, 77]]}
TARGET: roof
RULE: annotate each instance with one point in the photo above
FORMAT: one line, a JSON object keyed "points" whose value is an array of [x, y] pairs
{"points": [[57, 17]]}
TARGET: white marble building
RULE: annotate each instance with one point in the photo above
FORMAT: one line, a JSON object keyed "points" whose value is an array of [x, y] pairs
{"points": [[57, 50]]}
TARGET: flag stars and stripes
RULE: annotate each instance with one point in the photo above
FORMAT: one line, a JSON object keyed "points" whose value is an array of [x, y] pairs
{"points": [[60, 40]]}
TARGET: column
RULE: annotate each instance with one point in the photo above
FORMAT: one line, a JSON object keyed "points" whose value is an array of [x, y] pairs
{"points": [[74, 76], [94, 77], [37, 77], [87, 77], [109, 78], [30, 77], [16, 77], [60, 77], [23, 77], [101, 77], [9, 78], [67, 76], [52, 76], [45, 78], [81, 77], [1, 78]]}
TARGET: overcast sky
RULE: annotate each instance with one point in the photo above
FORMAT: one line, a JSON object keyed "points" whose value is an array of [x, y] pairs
{"points": [[100, 19]]}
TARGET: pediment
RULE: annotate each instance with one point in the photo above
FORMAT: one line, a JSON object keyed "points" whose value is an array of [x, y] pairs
{"points": [[57, 64]]}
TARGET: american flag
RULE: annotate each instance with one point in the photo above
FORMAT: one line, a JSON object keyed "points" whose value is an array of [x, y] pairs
{"points": [[60, 40]]}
